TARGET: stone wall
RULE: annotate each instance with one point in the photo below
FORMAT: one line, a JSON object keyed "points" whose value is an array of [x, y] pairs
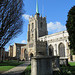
{"points": [[41, 65], [73, 57], [55, 40], [24, 54], [37, 27], [15, 50], [55, 63], [41, 47], [11, 51]]}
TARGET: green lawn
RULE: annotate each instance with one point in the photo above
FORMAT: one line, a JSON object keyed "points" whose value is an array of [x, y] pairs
{"points": [[28, 67], [27, 70], [72, 63], [7, 65], [72, 67], [5, 68]]}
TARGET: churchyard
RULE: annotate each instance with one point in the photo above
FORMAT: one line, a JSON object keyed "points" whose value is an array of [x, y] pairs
{"points": [[7, 65], [64, 70], [47, 51]]}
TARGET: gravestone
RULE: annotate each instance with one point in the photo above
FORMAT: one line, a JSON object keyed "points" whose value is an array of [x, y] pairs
{"points": [[41, 65], [64, 61], [55, 63]]}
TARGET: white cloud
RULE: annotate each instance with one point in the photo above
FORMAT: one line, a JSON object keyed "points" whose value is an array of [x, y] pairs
{"points": [[54, 27], [24, 41], [26, 16]]}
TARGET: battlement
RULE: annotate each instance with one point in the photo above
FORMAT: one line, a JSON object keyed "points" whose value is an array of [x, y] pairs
{"points": [[41, 43], [37, 17], [41, 47]]}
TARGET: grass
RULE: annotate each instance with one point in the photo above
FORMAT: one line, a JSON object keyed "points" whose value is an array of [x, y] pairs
{"points": [[65, 70], [68, 70], [10, 63], [5, 68], [28, 67], [72, 63], [72, 67], [27, 70], [7, 65]]}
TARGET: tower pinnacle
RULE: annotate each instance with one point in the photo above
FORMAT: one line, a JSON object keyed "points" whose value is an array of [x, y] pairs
{"points": [[37, 9]]}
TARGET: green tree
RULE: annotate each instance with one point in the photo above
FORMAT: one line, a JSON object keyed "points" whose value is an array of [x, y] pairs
{"points": [[71, 28]]}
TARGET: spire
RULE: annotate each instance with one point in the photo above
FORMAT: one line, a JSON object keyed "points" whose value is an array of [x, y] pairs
{"points": [[37, 9]]}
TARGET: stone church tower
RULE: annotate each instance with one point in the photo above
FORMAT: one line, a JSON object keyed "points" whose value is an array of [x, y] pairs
{"points": [[37, 27]]}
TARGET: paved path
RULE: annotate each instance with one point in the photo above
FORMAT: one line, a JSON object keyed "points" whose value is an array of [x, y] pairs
{"points": [[17, 70], [71, 61]]}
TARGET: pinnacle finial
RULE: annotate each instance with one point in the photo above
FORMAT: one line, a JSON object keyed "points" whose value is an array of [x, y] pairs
{"points": [[37, 9]]}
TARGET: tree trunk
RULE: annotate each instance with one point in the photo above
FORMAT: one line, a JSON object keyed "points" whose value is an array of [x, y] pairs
{"points": [[1, 54]]}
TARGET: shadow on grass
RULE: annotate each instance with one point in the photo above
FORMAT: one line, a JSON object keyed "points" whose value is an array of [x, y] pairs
{"points": [[27, 70], [64, 70], [67, 70], [10, 63], [7, 65]]}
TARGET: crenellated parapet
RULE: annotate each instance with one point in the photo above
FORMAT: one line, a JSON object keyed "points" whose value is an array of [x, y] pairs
{"points": [[35, 17], [41, 47]]}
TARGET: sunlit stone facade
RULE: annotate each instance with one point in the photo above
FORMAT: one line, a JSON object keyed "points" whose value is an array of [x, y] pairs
{"points": [[39, 42]]}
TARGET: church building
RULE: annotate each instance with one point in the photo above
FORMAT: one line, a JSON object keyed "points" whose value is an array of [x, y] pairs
{"points": [[39, 42]]}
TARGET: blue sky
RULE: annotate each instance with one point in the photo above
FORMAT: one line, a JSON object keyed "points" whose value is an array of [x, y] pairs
{"points": [[56, 12]]}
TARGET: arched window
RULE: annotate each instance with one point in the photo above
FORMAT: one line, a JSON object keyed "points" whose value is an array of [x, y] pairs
{"points": [[51, 50], [25, 51], [25, 54], [31, 55], [61, 50]]}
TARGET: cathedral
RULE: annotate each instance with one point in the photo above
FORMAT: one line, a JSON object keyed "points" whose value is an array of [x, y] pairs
{"points": [[40, 43]]}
